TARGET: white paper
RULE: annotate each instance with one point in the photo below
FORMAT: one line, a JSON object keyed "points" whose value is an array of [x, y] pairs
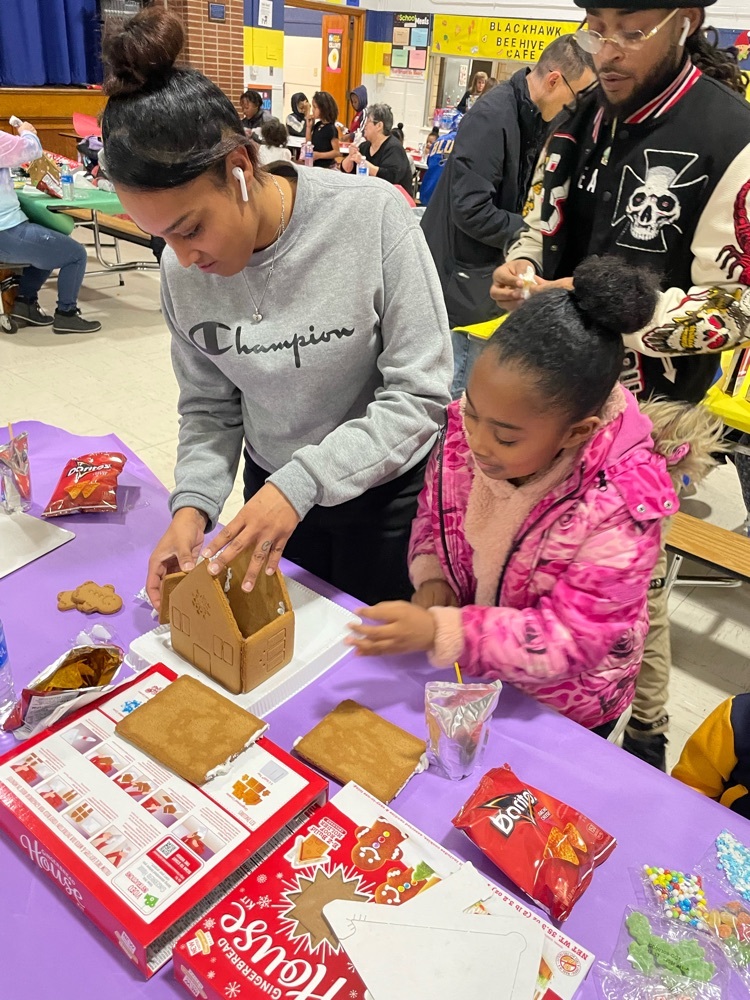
{"points": [[265, 13], [24, 538], [320, 627], [466, 956]]}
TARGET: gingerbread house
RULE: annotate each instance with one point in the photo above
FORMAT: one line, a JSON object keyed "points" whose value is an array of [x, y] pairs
{"points": [[238, 639]]}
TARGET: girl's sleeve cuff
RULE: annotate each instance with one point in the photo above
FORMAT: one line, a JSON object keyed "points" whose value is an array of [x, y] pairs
{"points": [[449, 637], [424, 568]]}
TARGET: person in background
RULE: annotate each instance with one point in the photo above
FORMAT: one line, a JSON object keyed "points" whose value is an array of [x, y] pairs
{"points": [[358, 101], [322, 131], [540, 520], [335, 400], [385, 155], [252, 113], [273, 146], [296, 122], [430, 141], [646, 169], [490, 85], [716, 759], [478, 84], [398, 133], [440, 150], [475, 208], [44, 250]]}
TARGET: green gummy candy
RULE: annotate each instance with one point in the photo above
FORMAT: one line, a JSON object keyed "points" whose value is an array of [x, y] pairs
{"points": [[638, 927], [422, 872], [641, 958]]}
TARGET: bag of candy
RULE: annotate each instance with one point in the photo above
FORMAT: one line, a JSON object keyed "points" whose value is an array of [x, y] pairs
{"points": [[725, 872], [661, 959], [88, 485], [548, 848]]}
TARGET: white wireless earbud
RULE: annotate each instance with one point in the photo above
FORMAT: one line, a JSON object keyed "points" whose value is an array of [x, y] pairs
{"points": [[685, 31], [239, 174]]}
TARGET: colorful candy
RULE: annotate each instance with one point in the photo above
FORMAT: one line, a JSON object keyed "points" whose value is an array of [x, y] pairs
{"points": [[734, 860], [681, 895]]}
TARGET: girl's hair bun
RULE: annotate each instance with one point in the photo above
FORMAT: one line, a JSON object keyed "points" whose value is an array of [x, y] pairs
{"points": [[141, 55], [615, 297]]}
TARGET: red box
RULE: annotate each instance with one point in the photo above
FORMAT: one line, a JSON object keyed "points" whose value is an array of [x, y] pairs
{"points": [[255, 942], [140, 851]]}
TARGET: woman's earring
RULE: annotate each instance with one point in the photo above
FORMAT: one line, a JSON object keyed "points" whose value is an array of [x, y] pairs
{"points": [[685, 31], [239, 173]]}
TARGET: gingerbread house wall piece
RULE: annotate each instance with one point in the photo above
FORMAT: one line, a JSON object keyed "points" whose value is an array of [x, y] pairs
{"points": [[237, 639]]}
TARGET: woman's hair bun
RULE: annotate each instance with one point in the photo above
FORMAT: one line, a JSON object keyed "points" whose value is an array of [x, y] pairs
{"points": [[400, 125], [613, 296], [142, 53]]}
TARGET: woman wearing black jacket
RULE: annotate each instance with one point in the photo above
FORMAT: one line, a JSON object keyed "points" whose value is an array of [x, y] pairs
{"points": [[385, 155]]}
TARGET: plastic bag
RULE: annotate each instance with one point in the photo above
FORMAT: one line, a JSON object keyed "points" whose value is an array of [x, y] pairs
{"points": [[662, 959], [728, 916], [457, 716]]}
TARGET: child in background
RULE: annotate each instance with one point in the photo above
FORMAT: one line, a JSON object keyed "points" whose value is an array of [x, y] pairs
{"points": [[274, 135], [430, 142], [716, 758], [540, 521]]}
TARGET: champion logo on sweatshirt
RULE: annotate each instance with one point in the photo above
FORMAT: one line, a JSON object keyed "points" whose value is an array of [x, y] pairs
{"points": [[210, 338]]}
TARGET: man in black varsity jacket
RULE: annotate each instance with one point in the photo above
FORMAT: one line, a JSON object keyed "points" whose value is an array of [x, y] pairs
{"points": [[652, 166]]}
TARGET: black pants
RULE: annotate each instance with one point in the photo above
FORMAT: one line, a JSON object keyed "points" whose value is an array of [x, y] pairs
{"points": [[605, 729], [359, 546]]}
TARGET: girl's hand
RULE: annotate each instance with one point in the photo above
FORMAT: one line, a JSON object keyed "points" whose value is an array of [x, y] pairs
{"points": [[264, 525], [178, 549], [407, 629], [25, 127], [435, 594]]}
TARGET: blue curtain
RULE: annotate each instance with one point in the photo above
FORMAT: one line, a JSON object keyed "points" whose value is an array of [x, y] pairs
{"points": [[52, 42]]}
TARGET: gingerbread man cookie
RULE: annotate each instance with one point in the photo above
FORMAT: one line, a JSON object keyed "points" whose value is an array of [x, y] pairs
{"points": [[90, 598], [65, 601], [399, 886], [376, 845]]}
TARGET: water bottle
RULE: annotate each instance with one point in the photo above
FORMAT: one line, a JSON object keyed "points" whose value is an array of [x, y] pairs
{"points": [[362, 170], [7, 691], [66, 180], [307, 154]]}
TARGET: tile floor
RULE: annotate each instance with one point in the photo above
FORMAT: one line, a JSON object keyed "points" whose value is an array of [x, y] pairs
{"points": [[120, 380]]}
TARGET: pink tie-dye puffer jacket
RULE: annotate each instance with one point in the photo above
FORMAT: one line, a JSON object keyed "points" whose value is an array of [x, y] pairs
{"points": [[571, 614]]}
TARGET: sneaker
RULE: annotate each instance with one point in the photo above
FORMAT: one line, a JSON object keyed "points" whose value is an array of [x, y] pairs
{"points": [[73, 322], [29, 312], [649, 747]]}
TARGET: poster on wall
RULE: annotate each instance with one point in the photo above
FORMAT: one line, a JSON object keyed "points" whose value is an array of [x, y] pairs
{"points": [[516, 39], [333, 60], [738, 39], [410, 44]]}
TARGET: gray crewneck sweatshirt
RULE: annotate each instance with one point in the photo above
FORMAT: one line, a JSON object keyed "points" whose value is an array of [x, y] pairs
{"points": [[343, 384]]}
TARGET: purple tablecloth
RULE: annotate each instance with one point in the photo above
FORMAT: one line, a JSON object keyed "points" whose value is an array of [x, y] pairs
{"points": [[50, 950]]}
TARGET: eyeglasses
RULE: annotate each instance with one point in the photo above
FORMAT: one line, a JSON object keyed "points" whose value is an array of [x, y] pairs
{"points": [[593, 42]]}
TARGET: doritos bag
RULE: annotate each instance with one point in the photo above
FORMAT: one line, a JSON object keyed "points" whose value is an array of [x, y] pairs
{"points": [[549, 849], [88, 485]]}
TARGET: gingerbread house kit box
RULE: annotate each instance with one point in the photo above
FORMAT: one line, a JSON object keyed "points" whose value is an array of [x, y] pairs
{"points": [[142, 852], [270, 937]]}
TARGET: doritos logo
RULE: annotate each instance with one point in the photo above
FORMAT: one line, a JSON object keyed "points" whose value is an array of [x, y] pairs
{"points": [[512, 809]]}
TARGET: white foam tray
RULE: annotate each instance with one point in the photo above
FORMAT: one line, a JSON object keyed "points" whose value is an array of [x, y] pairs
{"points": [[320, 627]]}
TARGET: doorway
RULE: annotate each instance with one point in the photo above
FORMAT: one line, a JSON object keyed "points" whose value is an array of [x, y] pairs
{"points": [[323, 49]]}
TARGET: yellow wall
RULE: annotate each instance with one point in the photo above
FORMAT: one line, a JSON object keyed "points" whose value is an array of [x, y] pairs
{"points": [[376, 57], [264, 47]]}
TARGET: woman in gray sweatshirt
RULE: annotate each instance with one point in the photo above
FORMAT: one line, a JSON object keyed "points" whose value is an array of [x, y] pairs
{"points": [[307, 325]]}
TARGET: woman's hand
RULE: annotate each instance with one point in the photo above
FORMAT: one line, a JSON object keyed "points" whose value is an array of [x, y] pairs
{"points": [[264, 525], [508, 284], [435, 594], [25, 127], [178, 549], [406, 629]]}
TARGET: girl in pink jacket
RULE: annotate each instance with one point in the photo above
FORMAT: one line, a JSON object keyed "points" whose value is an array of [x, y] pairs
{"points": [[540, 520]]}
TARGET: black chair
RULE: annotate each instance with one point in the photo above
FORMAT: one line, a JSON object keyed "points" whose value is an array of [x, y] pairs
{"points": [[7, 323]]}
